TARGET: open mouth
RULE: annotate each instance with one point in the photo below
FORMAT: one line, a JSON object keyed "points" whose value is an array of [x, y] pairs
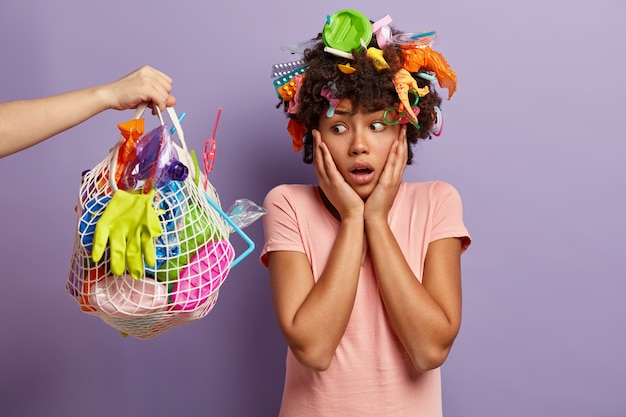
{"points": [[361, 171], [362, 174]]}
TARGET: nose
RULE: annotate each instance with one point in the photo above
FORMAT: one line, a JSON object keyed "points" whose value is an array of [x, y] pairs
{"points": [[359, 144]]}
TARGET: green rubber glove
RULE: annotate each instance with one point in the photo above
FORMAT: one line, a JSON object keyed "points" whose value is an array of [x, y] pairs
{"points": [[130, 224]]}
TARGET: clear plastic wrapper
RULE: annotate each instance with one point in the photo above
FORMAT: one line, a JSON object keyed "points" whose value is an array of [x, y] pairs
{"points": [[244, 212]]}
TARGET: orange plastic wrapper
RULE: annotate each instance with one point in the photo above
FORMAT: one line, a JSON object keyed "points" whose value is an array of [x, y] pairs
{"points": [[297, 132], [425, 57], [131, 131]]}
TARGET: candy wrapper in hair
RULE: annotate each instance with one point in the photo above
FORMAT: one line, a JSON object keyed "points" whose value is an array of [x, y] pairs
{"points": [[427, 58], [297, 132]]}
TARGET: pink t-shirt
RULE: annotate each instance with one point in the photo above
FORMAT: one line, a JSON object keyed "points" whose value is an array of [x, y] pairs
{"points": [[370, 374]]}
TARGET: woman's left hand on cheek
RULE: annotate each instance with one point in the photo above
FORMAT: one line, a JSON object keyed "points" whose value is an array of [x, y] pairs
{"points": [[381, 199]]}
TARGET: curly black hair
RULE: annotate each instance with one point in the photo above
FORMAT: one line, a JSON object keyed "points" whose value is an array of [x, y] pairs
{"points": [[368, 88]]}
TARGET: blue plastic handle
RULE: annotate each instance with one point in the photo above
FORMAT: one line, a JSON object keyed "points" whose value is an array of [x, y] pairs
{"points": [[237, 230]]}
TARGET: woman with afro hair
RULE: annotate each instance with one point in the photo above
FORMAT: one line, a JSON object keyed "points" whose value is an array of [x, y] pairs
{"points": [[364, 268]]}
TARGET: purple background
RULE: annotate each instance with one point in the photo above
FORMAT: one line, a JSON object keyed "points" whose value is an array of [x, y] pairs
{"points": [[533, 142]]}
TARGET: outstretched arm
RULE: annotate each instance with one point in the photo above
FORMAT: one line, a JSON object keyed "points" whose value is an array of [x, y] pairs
{"points": [[25, 123]]}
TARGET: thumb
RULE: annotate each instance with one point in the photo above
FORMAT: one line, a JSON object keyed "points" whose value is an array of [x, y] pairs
{"points": [[100, 238]]}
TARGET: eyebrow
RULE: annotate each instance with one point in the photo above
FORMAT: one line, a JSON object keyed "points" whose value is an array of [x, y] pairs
{"points": [[351, 112]]}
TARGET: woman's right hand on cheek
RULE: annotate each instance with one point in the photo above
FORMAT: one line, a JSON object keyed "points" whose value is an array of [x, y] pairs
{"points": [[345, 200]]}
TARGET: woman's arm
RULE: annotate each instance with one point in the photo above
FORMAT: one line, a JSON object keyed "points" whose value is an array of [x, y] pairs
{"points": [[426, 316], [313, 315], [25, 123]]}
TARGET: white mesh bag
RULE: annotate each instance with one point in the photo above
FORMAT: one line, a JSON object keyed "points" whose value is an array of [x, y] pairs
{"points": [[193, 253]]}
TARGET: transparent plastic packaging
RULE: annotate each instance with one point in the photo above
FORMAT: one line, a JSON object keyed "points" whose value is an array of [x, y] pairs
{"points": [[244, 212]]}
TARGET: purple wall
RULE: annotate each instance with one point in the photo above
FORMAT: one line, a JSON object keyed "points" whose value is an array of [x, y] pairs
{"points": [[532, 141]]}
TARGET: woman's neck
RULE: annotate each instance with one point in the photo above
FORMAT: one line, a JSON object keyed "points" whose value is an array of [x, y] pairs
{"points": [[328, 204]]}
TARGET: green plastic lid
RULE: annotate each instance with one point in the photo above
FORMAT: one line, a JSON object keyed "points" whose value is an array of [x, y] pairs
{"points": [[345, 29]]}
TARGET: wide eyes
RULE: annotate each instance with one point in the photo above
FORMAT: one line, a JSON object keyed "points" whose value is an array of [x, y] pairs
{"points": [[377, 126], [338, 129], [374, 127]]}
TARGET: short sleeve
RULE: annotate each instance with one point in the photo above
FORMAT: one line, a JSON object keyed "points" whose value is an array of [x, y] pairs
{"points": [[280, 223], [448, 214]]}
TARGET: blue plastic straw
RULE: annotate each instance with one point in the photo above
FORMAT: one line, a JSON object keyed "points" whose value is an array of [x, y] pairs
{"points": [[180, 119]]}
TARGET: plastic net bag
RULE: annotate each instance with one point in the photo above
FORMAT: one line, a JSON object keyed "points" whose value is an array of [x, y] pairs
{"points": [[152, 246]]}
